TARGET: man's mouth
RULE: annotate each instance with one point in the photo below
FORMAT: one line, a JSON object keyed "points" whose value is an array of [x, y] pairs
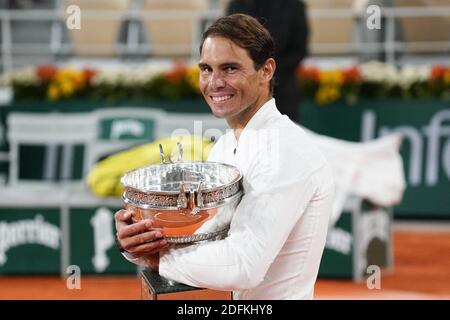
{"points": [[221, 98]]}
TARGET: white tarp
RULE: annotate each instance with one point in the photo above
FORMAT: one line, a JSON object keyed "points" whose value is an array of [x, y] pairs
{"points": [[372, 170]]}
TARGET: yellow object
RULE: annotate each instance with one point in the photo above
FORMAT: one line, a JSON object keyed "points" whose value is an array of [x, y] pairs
{"points": [[331, 77], [104, 177], [192, 76]]}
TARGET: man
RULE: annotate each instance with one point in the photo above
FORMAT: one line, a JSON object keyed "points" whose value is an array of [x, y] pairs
{"points": [[287, 22], [277, 234]]}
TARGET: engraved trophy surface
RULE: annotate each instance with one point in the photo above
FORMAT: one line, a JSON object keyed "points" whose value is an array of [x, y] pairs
{"points": [[191, 201]]}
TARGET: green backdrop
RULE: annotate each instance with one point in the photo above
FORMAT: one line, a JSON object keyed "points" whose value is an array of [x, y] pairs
{"points": [[424, 123], [425, 150]]}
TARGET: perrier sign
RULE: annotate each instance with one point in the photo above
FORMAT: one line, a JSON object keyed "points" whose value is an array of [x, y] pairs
{"points": [[30, 241]]}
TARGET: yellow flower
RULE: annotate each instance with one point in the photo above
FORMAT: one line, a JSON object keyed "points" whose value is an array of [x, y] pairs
{"points": [[192, 76], [447, 76], [79, 78], [334, 93], [53, 92], [327, 94], [321, 96], [72, 75], [67, 87], [331, 77], [65, 83]]}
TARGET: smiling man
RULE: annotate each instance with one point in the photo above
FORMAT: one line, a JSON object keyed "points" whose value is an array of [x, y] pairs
{"points": [[234, 81], [278, 231]]}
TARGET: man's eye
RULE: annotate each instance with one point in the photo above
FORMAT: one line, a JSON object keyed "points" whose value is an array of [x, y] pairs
{"points": [[230, 69], [205, 70]]}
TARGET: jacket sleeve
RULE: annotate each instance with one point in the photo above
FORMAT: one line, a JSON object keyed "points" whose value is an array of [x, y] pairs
{"points": [[261, 224]]}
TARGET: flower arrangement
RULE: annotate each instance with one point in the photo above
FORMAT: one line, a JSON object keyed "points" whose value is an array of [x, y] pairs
{"points": [[374, 80], [50, 83], [117, 84], [180, 81]]}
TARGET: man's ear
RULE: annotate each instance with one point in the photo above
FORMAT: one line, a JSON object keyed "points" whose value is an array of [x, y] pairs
{"points": [[268, 70]]}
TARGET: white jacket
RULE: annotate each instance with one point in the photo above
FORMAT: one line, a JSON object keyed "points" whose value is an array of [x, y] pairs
{"points": [[279, 228]]}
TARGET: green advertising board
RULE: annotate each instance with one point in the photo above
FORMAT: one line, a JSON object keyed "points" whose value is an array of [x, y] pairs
{"points": [[92, 244], [127, 128], [337, 258], [33, 162], [30, 240], [359, 241], [425, 125]]}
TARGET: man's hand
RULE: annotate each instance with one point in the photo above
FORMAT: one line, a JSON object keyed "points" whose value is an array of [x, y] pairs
{"points": [[151, 261], [139, 238]]}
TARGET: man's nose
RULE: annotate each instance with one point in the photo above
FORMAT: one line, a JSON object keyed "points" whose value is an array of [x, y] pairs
{"points": [[217, 80]]}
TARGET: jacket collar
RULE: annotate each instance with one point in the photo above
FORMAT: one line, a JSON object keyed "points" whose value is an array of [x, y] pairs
{"points": [[259, 119]]}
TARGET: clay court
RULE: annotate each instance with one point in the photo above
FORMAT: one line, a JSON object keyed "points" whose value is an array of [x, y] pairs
{"points": [[421, 271]]}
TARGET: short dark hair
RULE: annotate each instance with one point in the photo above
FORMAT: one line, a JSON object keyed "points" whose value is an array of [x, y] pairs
{"points": [[247, 33]]}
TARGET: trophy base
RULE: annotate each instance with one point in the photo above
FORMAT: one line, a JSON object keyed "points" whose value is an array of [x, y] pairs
{"points": [[155, 287]]}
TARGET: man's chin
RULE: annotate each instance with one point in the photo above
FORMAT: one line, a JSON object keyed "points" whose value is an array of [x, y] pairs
{"points": [[217, 112]]}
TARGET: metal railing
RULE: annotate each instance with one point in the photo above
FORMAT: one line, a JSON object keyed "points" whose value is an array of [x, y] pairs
{"points": [[132, 46], [389, 44]]}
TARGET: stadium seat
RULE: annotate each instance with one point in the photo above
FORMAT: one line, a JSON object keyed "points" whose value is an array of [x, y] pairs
{"points": [[98, 36], [173, 36], [417, 29], [59, 134], [337, 32]]}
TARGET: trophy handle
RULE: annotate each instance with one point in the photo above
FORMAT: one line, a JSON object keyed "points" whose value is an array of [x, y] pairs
{"points": [[180, 152], [161, 153]]}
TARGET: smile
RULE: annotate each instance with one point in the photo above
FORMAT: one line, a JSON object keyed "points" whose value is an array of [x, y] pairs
{"points": [[221, 98]]}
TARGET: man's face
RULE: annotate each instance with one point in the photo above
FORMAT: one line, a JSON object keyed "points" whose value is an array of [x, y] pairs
{"points": [[228, 79]]}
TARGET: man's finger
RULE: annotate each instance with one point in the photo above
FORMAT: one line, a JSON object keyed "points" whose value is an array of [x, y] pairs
{"points": [[149, 248], [134, 229], [142, 238], [123, 215]]}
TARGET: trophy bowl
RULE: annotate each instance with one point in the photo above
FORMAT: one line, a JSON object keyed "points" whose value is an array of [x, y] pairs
{"points": [[191, 201]]}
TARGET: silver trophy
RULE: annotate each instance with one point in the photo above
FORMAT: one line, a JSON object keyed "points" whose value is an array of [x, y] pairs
{"points": [[191, 201]]}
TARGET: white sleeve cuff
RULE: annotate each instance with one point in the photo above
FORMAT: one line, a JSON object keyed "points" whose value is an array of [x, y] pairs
{"points": [[130, 257]]}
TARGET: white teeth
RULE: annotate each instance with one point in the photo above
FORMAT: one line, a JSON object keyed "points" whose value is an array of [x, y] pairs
{"points": [[222, 98]]}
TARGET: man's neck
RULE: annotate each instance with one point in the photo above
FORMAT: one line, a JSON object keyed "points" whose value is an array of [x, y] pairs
{"points": [[239, 122]]}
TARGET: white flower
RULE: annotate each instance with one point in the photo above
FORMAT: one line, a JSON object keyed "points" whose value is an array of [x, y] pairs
{"points": [[25, 75], [107, 76], [379, 72], [136, 76], [413, 74]]}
